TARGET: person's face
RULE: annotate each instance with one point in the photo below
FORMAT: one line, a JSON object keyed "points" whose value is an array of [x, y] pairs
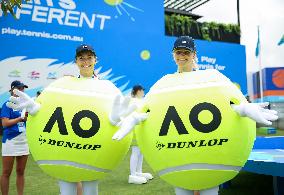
{"points": [[140, 93], [22, 89], [183, 57], [86, 61]]}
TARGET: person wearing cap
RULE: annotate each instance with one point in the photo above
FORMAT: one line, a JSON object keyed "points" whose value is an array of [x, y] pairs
{"points": [[85, 59], [184, 54], [136, 159], [14, 143]]}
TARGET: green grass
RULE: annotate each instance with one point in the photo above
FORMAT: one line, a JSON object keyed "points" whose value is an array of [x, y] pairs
{"points": [[38, 183]]}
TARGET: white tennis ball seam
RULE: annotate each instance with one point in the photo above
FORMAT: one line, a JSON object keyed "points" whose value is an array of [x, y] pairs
{"points": [[73, 164], [199, 166]]}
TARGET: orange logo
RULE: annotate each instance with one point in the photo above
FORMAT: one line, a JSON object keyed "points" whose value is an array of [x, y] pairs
{"points": [[278, 78]]}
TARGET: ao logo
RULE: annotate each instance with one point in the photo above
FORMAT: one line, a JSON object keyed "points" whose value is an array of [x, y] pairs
{"points": [[75, 124], [173, 116]]}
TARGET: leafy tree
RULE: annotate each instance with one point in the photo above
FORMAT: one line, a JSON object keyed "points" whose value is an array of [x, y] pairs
{"points": [[7, 6]]}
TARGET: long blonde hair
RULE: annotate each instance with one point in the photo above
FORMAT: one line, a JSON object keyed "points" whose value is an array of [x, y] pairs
{"points": [[194, 62]]}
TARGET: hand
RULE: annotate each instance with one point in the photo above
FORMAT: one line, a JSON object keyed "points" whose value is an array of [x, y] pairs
{"points": [[120, 108], [23, 101], [128, 124], [257, 112]]}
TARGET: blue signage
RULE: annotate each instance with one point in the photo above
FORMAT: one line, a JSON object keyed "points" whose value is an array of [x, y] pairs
{"points": [[128, 37]]}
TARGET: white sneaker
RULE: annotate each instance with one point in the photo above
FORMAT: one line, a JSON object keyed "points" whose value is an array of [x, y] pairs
{"points": [[136, 179], [147, 176]]}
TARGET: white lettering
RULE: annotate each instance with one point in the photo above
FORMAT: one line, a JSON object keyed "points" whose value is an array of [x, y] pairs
{"points": [[30, 2], [219, 67], [23, 11], [39, 11], [18, 32], [70, 17], [56, 14], [49, 3], [90, 23], [37, 2], [4, 31], [205, 66], [208, 60], [103, 18], [67, 4]]}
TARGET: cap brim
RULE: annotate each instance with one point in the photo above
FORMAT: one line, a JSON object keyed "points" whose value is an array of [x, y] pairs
{"points": [[183, 47], [25, 86], [82, 50]]}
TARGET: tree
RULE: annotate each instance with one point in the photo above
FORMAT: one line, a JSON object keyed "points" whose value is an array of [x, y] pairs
{"points": [[9, 5]]}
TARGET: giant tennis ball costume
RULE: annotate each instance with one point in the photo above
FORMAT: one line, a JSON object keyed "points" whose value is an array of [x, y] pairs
{"points": [[70, 137], [192, 137]]}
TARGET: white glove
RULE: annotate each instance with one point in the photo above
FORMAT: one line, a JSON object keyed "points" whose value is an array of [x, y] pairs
{"points": [[23, 114], [23, 102], [257, 112], [128, 124], [120, 108]]}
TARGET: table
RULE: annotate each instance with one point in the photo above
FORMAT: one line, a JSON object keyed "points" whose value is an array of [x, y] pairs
{"points": [[267, 157]]}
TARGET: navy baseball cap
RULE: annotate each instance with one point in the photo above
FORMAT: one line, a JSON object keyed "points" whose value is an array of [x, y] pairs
{"points": [[17, 84], [184, 42], [138, 87], [85, 47]]}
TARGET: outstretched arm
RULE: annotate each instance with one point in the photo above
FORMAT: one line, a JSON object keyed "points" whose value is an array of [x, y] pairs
{"points": [[257, 112], [123, 115], [128, 124], [121, 108], [23, 101]]}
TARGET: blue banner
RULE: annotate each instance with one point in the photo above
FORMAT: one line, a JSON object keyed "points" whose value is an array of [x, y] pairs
{"points": [[128, 37]]}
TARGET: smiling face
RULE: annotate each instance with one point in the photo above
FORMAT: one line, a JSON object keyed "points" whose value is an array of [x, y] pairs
{"points": [[86, 61], [184, 59]]}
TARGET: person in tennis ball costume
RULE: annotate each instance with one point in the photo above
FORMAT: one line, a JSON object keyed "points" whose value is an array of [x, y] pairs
{"points": [[85, 59], [184, 54]]}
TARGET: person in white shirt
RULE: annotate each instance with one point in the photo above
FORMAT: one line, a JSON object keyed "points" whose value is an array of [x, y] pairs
{"points": [[136, 159], [14, 142]]}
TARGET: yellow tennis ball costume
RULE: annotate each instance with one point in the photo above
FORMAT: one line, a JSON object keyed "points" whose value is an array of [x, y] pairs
{"points": [[71, 136], [192, 137]]}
